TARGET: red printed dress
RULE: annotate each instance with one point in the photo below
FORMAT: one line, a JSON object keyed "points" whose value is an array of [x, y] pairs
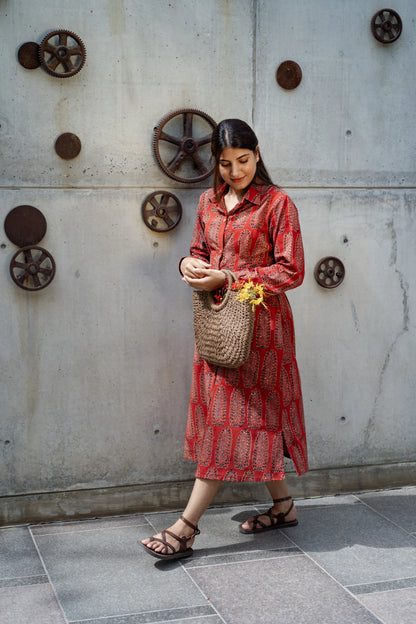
{"points": [[241, 422]]}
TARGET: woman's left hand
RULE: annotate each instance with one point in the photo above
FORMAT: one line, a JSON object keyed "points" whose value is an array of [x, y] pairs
{"points": [[210, 279]]}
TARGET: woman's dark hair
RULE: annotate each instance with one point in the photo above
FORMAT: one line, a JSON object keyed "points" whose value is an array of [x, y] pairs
{"points": [[235, 133]]}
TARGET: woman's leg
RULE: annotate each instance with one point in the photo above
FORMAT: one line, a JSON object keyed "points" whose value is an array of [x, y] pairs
{"points": [[277, 489], [202, 494]]}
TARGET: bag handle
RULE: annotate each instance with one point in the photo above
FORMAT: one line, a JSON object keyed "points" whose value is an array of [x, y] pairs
{"points": [[231, 277]]}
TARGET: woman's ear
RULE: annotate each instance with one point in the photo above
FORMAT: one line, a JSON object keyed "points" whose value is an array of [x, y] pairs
{"points": [[257, 153]]}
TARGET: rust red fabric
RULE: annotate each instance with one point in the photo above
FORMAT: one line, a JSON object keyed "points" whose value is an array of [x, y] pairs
{"points": [[240, 421]]}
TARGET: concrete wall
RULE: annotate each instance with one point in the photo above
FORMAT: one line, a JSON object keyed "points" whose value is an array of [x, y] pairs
{"points": [[95, 368]]}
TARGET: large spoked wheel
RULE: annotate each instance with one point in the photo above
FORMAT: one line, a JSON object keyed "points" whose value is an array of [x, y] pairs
{"points": [[181, 145]]}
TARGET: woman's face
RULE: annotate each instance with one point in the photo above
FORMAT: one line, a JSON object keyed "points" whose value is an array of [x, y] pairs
{"points": [[237, 167]]}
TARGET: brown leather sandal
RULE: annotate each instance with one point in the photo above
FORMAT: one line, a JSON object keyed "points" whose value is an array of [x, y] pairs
{"points": [[177, 553], [277, 521]]}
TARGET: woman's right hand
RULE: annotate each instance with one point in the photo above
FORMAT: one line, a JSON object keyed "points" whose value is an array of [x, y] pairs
{"points": [[192, 267]]}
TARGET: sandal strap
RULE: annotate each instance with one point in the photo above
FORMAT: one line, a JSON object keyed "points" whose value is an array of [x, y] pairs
{"points": [[191, 526], [256, 522], [274, 518], [163, 541], [182, 540], [281, 515], [282, 500]]}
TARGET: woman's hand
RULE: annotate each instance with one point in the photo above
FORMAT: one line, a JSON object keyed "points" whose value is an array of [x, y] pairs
{"points": [[191, 267], [198, 274]]}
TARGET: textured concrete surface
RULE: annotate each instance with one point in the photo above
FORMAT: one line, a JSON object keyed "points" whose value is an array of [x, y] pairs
{"points": [[95, 368], [346, 562]]}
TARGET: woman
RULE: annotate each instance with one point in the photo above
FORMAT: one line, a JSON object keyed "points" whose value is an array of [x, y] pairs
{"points": [[242, 422]]}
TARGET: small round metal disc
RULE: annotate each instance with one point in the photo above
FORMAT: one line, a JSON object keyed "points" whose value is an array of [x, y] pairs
{"points": [[289, 75], [329, 272], [25, 225], [67, 145], [28, 55]]}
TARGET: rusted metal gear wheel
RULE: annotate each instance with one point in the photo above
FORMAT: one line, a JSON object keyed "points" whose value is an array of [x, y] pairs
{"points": [[161, 211], [32, 268], [386, 26], [187, 151], [329, 272], [59, 57]]}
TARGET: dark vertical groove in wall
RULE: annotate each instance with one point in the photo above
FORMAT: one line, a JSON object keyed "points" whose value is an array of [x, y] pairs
{"points": [[254, 68]]}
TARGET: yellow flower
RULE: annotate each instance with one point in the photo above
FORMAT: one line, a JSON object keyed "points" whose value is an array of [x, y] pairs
{"points": [[253, 293]]}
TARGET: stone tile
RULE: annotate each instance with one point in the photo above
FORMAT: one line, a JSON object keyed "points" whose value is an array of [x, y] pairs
{"points": [[88, 525], [18, 555], [354, 544], [210, 619], [230, 557], [220, 536], [399, 506], [326, 501], [196, 615], [382, 586], [393, 607], [103, 573], [24, 580], [292, 590], [31, 604]]}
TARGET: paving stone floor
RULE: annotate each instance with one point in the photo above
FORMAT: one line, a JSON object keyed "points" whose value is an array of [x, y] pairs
{"points": [[351, 560]]}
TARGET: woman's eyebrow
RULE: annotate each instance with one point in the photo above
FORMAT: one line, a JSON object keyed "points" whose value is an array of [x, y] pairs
{"points": [[222, 160]]}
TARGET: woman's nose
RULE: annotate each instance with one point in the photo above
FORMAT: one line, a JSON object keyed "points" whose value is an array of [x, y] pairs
{"points": [[235, 170]]}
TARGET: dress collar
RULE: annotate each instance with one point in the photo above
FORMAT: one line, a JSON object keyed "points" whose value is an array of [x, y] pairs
{"points": [[253, 194]]}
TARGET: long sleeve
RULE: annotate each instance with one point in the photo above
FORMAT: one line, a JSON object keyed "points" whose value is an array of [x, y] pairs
{"points": [[288, 267], [260, 239], [199, 246]]}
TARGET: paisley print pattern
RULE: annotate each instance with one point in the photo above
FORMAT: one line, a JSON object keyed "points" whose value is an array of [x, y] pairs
{"points": [[237, 408], [242, 451], [206, 451], [231, 476], [250, 370], [190, 428], [287, 345], [231, 376], [272, 411], [223, 448], [278, 332], [263, 329], [245, 243], [294, 379], [294, 420], [261, 451], [254, 410], [268, 375], [277, 463], [218, 410], [212, 473], [285, 386], [241, 420], [199, 421]]}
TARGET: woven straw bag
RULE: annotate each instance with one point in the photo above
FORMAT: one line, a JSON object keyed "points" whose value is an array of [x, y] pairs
{"points": [[223, 332]]}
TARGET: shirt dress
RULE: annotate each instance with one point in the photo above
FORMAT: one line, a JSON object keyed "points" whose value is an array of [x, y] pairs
{"points": [[242, 422]]}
